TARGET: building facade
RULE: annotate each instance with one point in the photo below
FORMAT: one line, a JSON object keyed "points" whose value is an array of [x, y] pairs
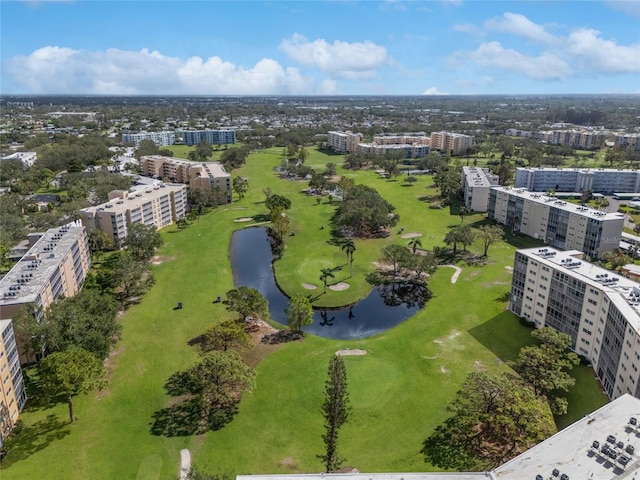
{"points": [[454, 142], [161, 139], [212, 137], [160, 206], [343, 142], [627, 140], [597, 308], [13, 395], [476, 184], [603, 180], [557, 223], [198, 175]]}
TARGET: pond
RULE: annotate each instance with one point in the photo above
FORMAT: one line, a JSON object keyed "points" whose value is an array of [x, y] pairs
{"points": [[384, 307]]}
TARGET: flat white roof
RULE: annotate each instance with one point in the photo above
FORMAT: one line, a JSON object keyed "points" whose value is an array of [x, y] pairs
{"points": [[477, 177], [373, 476]]}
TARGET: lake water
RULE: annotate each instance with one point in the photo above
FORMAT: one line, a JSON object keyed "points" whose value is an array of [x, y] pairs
{"points": [[384, 308]]}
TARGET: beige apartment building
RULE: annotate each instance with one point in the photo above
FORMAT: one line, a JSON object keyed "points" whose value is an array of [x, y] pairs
{"points": [[560, 224], [13, 395], [198, 175], [455, 142], [343, 142], [160, 206], [585, 139], [597, 308], [476, 184]]}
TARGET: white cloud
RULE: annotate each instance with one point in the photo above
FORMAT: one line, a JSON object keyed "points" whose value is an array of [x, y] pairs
{"points": [[55, 69], [433, 91], [545, 66], [520, 25], [328, 87], [343, 59], [627, 6], [597, 54]]}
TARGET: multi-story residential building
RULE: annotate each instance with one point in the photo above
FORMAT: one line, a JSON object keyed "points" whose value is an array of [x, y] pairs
{"points": [[55, 266], [343, 142], [27, 158], [162, 139], [602, 180], [455, 142], [213, 137], [160, 206], [627, 140], [198, 175], [557, 223], [476, 183], [597, 308], [514, 132], [13, 394], [584, 139], [405, 150]]}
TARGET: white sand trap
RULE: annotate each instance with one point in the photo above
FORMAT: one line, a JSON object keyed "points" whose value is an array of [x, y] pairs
{"points": [[309, 286], [411, 235], [243, 219], [339, 286], [351, 351], [456, 274]]}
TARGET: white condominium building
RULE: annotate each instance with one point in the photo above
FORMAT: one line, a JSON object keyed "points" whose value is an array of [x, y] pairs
{"points": [[627, 140], [162, 139], [212, 137], [584, 139], [343, 142], [557, 223], [406, 150], [159, 206], [597, 308], [198, 175], [455, 142], [602, 180], [476, 184]]}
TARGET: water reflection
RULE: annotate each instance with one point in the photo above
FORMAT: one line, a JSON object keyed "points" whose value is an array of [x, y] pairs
{"points": [[385, 307]]}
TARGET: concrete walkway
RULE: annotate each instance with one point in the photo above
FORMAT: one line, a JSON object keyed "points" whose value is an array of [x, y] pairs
{"points": [[456, 274], [185, 463]]}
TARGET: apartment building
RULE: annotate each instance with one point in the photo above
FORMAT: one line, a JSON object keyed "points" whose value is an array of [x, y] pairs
{"points": [[162, 139], [584, 139], [55, 265], [403, 150], [160, 206], [627, 140], [455, 142], [476, 184], [603, 180], [343, 142], [13, 395], [27, 158], [515, 132], [213, 137], [198, 175], [560, 224], [597, 308]]}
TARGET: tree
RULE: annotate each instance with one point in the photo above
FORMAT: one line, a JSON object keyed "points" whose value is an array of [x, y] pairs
{"points": [[99, 241], [546, 366], [463, 212], [349, 247], [636, 228], [616, 258], [335, 410], [489, 234], [448, 182], [420, 264], [146, 147], [326, 274], [299, 313], [70, 373], [246, 302], [142, 241], [204, 151], [277, 201], [494, 417], [280, 225], [395, 255], [240, 186], [414, 243], [411, 179], [128, 276], [363, 212], [318, 182], [452, 238], [226, 335]]}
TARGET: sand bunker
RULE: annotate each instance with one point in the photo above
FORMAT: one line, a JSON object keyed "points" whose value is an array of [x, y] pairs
{"points": [[309, 286], [339, 286], [351, 351], [411, 235], [243, 219]]}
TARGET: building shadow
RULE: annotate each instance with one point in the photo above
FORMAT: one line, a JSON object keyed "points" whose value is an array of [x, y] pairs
{"points": [[34, 438]]}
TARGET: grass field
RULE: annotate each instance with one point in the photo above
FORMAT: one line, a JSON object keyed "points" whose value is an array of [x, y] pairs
{"points": [[399, 390]]}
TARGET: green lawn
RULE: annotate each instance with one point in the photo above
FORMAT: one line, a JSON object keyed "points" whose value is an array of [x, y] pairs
{"points": [[399, 391]]}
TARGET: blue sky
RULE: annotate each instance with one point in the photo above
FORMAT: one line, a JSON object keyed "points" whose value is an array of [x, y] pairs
{"points": [[339, 47]]}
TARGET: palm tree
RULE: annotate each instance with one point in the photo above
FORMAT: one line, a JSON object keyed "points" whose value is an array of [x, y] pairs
{"points": [[414, 243], [463, 212], [349, 247], [325, 274]]}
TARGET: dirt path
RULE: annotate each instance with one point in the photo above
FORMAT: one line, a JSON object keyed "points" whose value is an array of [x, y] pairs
{"points": [[185, 463]]}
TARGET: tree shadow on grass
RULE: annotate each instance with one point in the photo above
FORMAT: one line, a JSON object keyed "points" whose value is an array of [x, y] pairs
{"points": [[504, 335], [34, 438], [185, 419]]}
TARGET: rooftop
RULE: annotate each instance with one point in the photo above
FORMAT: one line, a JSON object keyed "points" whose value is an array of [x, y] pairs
{"points": [[554, 202], [582, 170], [27, 278], [126, 200], [478, 177]]}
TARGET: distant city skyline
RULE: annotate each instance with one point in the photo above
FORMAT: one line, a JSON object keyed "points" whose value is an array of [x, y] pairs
{"points": [[391, 47]]}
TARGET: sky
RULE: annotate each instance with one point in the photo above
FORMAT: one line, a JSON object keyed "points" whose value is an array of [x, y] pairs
{"points": [[338, 47]]}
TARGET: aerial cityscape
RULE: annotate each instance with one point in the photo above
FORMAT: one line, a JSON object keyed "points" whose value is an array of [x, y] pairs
{"points": [[290, 240]]}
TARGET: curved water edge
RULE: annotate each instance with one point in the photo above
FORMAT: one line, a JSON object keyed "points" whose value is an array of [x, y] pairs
{"points": [[385, 307]]}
